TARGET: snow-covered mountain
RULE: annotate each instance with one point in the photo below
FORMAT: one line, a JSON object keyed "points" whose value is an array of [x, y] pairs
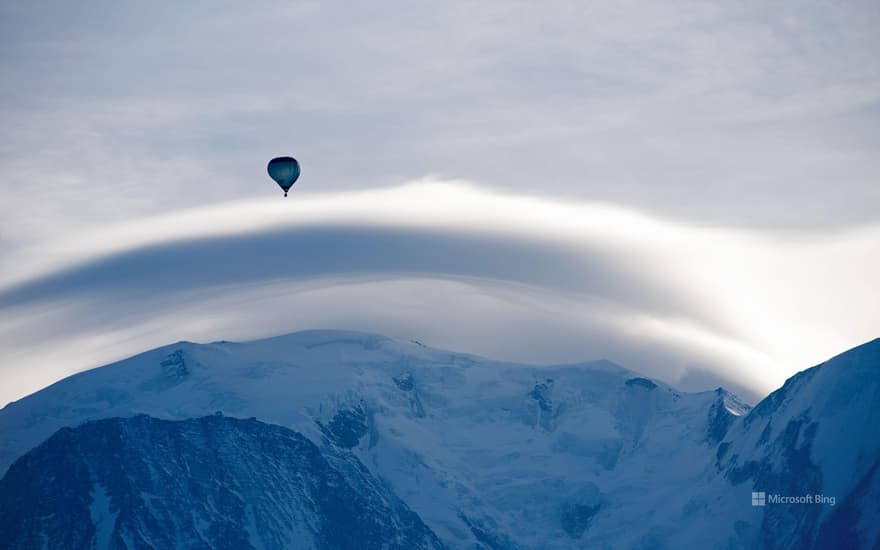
{"points": [[485, 454]]}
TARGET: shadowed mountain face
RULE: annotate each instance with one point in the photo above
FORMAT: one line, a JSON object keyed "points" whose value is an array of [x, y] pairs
{"points": [[380, 443], [211, 482]]}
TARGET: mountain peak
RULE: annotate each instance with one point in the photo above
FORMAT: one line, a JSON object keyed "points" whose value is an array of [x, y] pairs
{"points": [[504, 454]]}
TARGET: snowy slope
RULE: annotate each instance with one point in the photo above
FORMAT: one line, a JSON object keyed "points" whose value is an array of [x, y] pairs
{"points": [[817, 435], [502, 455]]}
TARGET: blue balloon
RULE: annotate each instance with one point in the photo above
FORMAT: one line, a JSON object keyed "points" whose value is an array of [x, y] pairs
{"points": [[285, 171]]}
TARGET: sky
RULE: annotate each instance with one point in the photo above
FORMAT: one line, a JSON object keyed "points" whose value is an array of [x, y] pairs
{"points": [[689, 189]]}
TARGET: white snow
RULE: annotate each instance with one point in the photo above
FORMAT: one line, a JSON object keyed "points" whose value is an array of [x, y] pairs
{"points": [[509, 446]]}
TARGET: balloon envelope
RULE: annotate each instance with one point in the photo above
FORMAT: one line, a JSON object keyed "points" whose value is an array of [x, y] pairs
{"points": [[285, 171]]}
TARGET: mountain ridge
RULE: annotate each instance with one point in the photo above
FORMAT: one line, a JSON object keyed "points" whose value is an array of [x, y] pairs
{"points": [[516, 456], [209, 482]]}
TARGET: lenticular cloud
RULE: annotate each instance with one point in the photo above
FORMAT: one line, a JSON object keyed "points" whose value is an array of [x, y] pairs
{"points": [[509, 276]]}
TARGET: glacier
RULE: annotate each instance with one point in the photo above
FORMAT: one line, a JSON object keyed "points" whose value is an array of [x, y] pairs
{"points": [[490, 454]]}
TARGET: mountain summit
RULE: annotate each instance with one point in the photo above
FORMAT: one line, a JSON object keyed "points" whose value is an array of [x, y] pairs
{"points": [[439, 449]]}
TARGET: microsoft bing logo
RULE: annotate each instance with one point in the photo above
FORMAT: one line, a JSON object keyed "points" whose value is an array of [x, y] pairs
{"points": [[760, 498]]}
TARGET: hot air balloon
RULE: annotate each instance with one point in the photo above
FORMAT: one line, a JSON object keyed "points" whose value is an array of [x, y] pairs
{"points": [[285, 171]]}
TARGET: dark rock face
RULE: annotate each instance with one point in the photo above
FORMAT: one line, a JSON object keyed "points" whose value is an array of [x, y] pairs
{"points": [[846, 526], [486, 535], [347, 427], [641, 382], [542, 394], [407, 384], [720, 420], [211, 482], [174, 366], [576, 518], [541, 411], [173, 370]]}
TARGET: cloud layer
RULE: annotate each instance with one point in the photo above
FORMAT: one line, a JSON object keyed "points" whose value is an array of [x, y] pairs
{"points": [[452, 264]]}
